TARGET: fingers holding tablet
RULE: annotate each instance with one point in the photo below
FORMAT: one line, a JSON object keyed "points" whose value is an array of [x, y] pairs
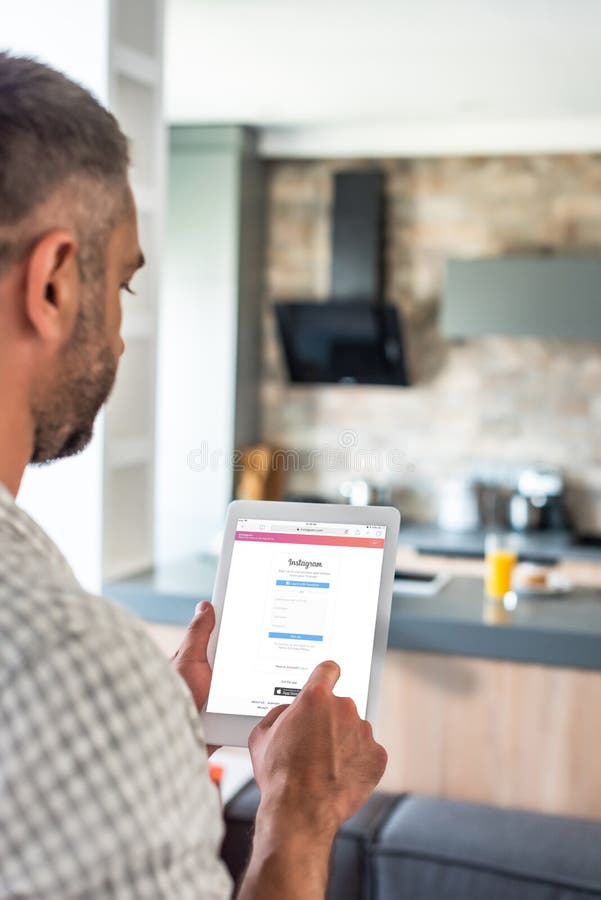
{"points": [[272, 716], [190, 660], [316, 758], [326, 674]]}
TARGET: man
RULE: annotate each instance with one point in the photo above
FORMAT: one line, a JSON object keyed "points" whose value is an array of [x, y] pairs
{"points": [[103, 769]]}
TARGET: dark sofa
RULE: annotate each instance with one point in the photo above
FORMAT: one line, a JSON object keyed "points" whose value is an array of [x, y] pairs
{"points": [[421, 848]]}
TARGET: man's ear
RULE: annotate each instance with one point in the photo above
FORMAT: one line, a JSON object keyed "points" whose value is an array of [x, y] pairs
{"points": [[52, 286]]}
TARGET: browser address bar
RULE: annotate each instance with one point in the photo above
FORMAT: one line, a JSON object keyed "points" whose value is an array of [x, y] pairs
{"points": [[308, 529]]}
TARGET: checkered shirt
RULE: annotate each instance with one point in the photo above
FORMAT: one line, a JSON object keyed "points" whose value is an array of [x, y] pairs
{"points": [[104, 788]]}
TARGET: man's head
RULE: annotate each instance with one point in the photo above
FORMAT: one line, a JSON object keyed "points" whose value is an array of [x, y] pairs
{"points": [[68, 246]]}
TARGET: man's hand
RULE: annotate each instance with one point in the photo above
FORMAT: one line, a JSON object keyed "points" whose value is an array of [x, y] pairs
{"points": [[191, 659], [316, 762], [316, 754]]}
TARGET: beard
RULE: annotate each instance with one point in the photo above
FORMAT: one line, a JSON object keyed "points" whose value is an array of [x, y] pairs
{"points": [[64, 417]]}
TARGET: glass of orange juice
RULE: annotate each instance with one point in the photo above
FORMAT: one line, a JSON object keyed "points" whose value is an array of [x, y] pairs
{"points": [[500, 559]]}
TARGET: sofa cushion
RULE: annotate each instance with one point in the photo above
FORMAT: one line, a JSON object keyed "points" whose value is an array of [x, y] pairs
{"points": [[349, 867], [349, 872], [432, 848], [239, 817]]}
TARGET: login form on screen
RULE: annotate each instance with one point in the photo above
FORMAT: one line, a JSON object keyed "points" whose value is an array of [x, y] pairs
{"points": [[297, 593]]}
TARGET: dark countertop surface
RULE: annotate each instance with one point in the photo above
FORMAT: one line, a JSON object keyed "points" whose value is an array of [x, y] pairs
{"points": [[556, 631], [562, 631], [546, 546]]}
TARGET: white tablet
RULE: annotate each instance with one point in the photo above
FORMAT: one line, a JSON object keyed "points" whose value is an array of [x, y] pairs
{"points": [[298, 583]]}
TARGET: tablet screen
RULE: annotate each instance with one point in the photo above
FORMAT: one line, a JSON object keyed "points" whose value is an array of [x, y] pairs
{"points": [[297, 593]]}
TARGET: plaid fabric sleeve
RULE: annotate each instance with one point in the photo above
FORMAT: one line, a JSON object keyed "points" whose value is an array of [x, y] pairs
{"points": [[104, 789]]}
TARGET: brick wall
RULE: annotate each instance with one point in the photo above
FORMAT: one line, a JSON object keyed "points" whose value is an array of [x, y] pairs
{"points": [[486, 403]]}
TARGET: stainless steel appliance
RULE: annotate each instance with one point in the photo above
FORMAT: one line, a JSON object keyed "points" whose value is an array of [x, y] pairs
{"points": [[360, 492], [538, 503], [523, 513], [458, 509]]}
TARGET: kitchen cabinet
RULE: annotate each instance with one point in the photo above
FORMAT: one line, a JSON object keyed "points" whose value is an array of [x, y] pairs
{"points": [[490, 731], [521, 296], [484, 731]]}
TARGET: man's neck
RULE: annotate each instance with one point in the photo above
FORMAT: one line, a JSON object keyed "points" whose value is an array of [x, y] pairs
{"points": [[16, 440]]}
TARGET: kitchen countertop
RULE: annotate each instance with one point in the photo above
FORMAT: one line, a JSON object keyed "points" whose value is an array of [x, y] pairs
{"points": [[557, 632], [546, 546], [562, 631]]}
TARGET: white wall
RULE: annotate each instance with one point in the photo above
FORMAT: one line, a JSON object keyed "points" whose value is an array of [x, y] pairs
{"points": [[390, 77], [197, 342], [386, 139], [66, 497], [68, 34]]}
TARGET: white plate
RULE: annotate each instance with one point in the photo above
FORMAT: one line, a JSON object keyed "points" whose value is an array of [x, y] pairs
{"points": [[542, 592]]}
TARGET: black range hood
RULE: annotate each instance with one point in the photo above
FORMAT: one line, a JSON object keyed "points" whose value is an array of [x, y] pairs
{"points": [[354, 337]]}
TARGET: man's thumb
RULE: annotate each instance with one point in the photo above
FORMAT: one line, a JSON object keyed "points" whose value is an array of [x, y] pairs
{"points": [[198, 632], [202, 607]]}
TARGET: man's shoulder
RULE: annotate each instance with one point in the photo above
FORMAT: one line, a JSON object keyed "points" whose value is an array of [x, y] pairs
{"points": [[42, 605], [43, 608]]}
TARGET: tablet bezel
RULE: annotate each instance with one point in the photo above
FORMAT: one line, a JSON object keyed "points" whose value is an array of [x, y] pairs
{"points": [[233, 730]]}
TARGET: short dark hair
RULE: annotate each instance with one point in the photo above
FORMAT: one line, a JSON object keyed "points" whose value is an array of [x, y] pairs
{"points": [[52, 131]]}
